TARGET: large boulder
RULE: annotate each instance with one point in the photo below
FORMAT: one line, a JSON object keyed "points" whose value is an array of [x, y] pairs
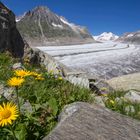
{"points": [[126, 82], [10, 39], [82, 121]]}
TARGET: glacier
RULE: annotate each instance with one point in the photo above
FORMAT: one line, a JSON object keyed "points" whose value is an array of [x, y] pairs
{"points": [[105, 60]]}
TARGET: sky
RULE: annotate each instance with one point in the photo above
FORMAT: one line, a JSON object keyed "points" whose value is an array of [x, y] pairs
{"points": [[117, 16]]}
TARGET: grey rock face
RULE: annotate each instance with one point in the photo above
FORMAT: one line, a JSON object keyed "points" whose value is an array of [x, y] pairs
{"points": [[26, 107], [99, 100], [119, 100], [133, 96], [87, 122], [8, 93], [129, 109], [10, 38], [40, 26], [17, 66], [133, 37]]}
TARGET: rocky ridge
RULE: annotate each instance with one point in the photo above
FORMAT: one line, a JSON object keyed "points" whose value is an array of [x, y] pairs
{"points": [[41, 26], [132, 37]]}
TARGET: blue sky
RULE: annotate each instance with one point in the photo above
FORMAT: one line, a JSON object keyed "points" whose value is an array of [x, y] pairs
{"points": [[117, 16]]}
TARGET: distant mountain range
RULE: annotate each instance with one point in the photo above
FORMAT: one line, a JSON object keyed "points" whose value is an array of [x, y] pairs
{"points": [[133, 37], [106, 36], [41, 26]]}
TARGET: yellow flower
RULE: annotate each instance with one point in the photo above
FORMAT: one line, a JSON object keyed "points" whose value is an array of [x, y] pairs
{"points": [[22, 73], [112, 102], [105, 94], [60, 78], [35, 74], [8, 113], [103, 89], [51, 72], [39, 78], [15, 81]]}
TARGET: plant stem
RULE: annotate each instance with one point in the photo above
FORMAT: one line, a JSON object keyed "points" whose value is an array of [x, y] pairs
{"points": [[17, 98], [14, 136]]}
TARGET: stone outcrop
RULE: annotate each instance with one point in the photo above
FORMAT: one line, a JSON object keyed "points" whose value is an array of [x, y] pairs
{"points": [[81, 121], [10, 38]]}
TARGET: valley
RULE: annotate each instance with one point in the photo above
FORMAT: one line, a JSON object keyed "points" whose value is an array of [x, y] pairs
{"points": [[105, 60]]}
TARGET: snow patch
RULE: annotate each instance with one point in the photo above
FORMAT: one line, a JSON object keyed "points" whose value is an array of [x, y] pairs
{"points": [[18, 18], [66, 22], [57, 25], [130, 35], [71, 25]]}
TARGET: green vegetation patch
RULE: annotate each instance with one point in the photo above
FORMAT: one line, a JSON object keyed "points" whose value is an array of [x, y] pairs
{"points": [[40, 97]]}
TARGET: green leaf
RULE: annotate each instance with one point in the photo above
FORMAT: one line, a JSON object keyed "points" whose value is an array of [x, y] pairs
{"points": [[36, 134], [53, 105], [7, 130], [37, 106], [72, 98], [21, 132]]}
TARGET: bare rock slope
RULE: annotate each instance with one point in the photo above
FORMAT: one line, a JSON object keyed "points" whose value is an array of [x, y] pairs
{"points": [[133, 38], [41, 26]]}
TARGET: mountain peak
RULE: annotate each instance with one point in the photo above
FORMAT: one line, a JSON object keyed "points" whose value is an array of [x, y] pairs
{"points": [[132, 37], [47, 27], [107, 33], [106, 36], [41, 9]]}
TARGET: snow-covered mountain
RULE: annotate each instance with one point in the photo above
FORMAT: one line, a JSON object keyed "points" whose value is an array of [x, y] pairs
{"points": [[132, 37], [106, 36]]}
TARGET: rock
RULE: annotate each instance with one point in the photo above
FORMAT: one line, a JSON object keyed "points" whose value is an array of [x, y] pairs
{"points": [[99, 86], [10, 38], [10, 95], [26, 107], [99, 100], [82, 121], [129, 109], [68, 111], [17, 66], [126, 82], [132, 37], [6, 92], [118, 100], [133, 96]]}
